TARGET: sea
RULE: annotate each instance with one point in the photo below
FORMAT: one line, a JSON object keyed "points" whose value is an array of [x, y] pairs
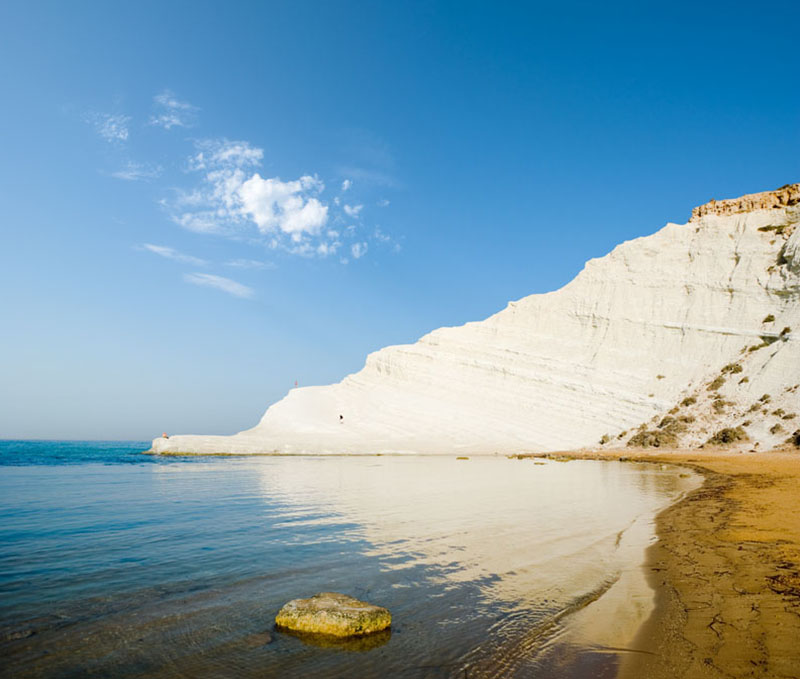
{"points": [[115, 563]]}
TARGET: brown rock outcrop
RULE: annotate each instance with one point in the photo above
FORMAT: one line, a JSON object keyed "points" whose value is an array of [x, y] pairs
{"points": [[782, 197]]}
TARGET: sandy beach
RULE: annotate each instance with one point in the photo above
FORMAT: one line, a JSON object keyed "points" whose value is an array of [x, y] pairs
{"points": [[726, 570]]}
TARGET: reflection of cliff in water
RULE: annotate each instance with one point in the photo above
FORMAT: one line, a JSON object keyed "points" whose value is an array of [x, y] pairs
{"points": [[528, 532]]}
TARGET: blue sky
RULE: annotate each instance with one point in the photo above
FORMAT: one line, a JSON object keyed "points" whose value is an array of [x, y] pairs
{"points": [[202, 202]]}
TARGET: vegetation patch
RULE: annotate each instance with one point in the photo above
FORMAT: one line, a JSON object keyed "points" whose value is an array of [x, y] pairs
{"points": [[732, 368], [605, 438], [716, 383], [766, 340], [780, 412], [786, 331], [719, 405], [789, 416], [653, 438], [778, 229], [744, 380], [775, 429], [727, 436], [795, 438], [665, 434], [768, 319], [765, 398], [689, 401]]}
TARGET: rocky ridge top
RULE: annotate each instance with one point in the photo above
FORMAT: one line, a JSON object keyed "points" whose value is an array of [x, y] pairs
{"points": [[787, 195]]}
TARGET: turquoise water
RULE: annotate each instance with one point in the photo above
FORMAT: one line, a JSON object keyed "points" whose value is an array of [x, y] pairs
{"points": [[118, 564]]}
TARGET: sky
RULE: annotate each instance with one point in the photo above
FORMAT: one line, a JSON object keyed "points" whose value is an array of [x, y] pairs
{"points": [[204, 202]]}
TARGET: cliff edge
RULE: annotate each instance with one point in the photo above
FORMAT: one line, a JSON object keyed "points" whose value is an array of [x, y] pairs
{"points": [[690, 336]]}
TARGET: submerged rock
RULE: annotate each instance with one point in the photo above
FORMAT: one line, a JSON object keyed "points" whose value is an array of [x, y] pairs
{"points": [[334, 614]]}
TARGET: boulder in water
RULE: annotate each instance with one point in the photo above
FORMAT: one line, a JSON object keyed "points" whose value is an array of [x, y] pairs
{"points": [[334, 614]]}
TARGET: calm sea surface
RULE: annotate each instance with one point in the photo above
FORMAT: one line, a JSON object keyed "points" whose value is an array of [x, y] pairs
{"points": [[118, 564]]}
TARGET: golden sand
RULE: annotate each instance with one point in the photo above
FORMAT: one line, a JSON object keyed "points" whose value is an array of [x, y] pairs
{"points": [[726, 570]]}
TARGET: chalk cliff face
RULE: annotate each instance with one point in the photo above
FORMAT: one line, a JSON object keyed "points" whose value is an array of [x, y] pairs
{"points": [[636, 333]]}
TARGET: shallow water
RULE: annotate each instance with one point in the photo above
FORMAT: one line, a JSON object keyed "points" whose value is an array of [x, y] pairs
{"points": [[125, 565]]}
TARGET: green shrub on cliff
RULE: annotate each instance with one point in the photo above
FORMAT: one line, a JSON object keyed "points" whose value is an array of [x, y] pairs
{"points": [[652, 438], [727, 436]]}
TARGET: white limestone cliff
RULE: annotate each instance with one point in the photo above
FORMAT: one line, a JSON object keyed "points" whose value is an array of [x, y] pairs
{"points": [[624, 343]]}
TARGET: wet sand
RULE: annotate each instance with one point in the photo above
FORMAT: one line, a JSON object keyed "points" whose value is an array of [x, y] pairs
{"points": [[725, 569]]}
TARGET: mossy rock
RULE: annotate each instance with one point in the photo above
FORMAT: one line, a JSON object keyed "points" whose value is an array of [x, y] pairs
{"points": [[334, 614]]}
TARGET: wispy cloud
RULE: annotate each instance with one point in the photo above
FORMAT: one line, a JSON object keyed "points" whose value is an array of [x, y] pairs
{"points": [[171, 253], [220, 283], [172, 112], [353, 210], [111, 127], [249, 264], [134, 172], [346, 184], [358, 250], [371, 177]]}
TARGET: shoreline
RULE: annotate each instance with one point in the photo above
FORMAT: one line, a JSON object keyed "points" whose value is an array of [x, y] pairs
{"points": [[725, 569]]}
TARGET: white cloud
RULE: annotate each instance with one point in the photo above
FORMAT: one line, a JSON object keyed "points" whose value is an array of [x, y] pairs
{"points": [[346, 184], [133, 172], [229, 197], [234, 199], [353, 210], [171, 253], [172, 112], [275, 205], [328, 248], [358, 250], [220, 283], [224, 154], [111, 127]]}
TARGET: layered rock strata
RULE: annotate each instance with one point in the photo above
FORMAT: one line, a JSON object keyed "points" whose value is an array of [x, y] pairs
{"points": [[635, 334]]}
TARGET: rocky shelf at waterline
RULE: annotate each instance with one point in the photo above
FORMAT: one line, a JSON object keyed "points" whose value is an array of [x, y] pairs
{"points": [[698, 322]]}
